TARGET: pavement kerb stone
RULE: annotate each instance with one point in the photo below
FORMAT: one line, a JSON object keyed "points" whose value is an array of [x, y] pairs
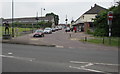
{"points": [[12, 42]]}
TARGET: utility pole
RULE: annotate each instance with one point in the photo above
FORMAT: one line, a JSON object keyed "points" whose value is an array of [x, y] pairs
{"points": [[12, 18]]}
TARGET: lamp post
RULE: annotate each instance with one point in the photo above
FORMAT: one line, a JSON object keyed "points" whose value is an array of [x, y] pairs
{"points": [[12, 18], [41, 11], [37, 19]]}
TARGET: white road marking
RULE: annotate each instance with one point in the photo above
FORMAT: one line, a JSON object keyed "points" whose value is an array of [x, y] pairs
{"points": [[20, 58], [60, 46], [34, 39], [89, 64], [77, 62], [6, 56], [92, 70], [73, 39], [10, 53]]}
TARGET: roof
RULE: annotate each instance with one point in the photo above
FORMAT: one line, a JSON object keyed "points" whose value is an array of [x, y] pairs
{"points": [[32, 18], [95, 10]]}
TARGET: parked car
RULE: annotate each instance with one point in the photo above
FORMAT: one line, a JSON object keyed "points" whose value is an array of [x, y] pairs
{"points": [[38, 33], [60, 27], [56, 28], [53, 29], [48, 31], [67, 29]]}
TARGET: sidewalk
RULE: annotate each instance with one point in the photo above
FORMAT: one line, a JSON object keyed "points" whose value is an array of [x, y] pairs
{"points": [[79, 35], [27, 40]]}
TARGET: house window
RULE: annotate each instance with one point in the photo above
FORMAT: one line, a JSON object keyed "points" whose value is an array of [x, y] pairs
{"points": [[83, 17]]}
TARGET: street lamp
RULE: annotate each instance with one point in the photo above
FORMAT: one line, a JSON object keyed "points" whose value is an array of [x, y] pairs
{"points": [[37, 19], [41, 11], [12, 18]]}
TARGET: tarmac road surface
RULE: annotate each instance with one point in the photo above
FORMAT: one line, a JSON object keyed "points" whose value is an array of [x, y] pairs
{"points": [[27, 58]]}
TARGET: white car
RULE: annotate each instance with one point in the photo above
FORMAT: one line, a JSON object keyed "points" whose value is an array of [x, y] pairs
{"points": [[53, 29], [47, 31], [67, 29], [60, 27]]}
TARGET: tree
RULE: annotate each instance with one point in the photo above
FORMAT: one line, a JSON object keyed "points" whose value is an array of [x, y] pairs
{"points": [[44, 24], [56, 17], [101, 25]]}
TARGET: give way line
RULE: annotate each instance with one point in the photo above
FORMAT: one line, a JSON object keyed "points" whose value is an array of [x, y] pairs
{"points": [[90, 64]]}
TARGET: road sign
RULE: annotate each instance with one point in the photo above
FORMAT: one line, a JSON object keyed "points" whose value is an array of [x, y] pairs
{"points": [[110, 18], [110, 15]]}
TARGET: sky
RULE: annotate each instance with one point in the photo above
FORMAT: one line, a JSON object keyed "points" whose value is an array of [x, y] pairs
{"points": [[29, 8]]}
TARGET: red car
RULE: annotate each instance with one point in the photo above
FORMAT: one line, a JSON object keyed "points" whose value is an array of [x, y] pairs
{"points": [[38, 33]]}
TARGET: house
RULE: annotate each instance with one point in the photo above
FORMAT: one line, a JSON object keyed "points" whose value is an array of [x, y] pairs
{"points": [[31, 20], [85, 21]]}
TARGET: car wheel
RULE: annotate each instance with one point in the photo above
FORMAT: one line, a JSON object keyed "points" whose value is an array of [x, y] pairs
{"points": [[33, 35]]}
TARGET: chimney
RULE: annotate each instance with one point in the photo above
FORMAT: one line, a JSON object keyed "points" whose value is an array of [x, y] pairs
{"points": [[95, 5], [91, 7]]}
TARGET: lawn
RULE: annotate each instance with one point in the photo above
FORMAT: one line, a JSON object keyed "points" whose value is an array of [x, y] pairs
{"points": [[18, 30]]}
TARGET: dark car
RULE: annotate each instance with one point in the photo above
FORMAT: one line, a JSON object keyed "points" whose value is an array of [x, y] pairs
{"points": [[38, 33]]}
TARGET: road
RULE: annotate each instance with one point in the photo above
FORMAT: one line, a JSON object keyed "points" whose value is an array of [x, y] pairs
{"points": [[63, 40], [26, 58]]}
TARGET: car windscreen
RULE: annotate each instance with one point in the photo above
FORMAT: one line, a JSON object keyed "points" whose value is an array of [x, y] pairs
{"points": [[38, 31], [47, 29]]}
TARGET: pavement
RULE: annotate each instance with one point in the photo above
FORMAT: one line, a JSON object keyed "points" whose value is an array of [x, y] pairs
{"points": [[59, 39]]}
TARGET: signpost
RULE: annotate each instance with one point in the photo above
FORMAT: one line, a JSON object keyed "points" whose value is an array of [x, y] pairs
{"points": [[110, 18]]}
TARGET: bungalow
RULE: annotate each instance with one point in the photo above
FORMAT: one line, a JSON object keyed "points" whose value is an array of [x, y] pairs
{"points": [[85, 21]]}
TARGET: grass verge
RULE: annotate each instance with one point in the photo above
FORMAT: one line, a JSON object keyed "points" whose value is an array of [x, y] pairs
{"points": [[105, 41]]}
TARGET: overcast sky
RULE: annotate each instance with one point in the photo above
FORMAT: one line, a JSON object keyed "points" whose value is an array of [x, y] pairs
{"points": [[71, 8]]}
